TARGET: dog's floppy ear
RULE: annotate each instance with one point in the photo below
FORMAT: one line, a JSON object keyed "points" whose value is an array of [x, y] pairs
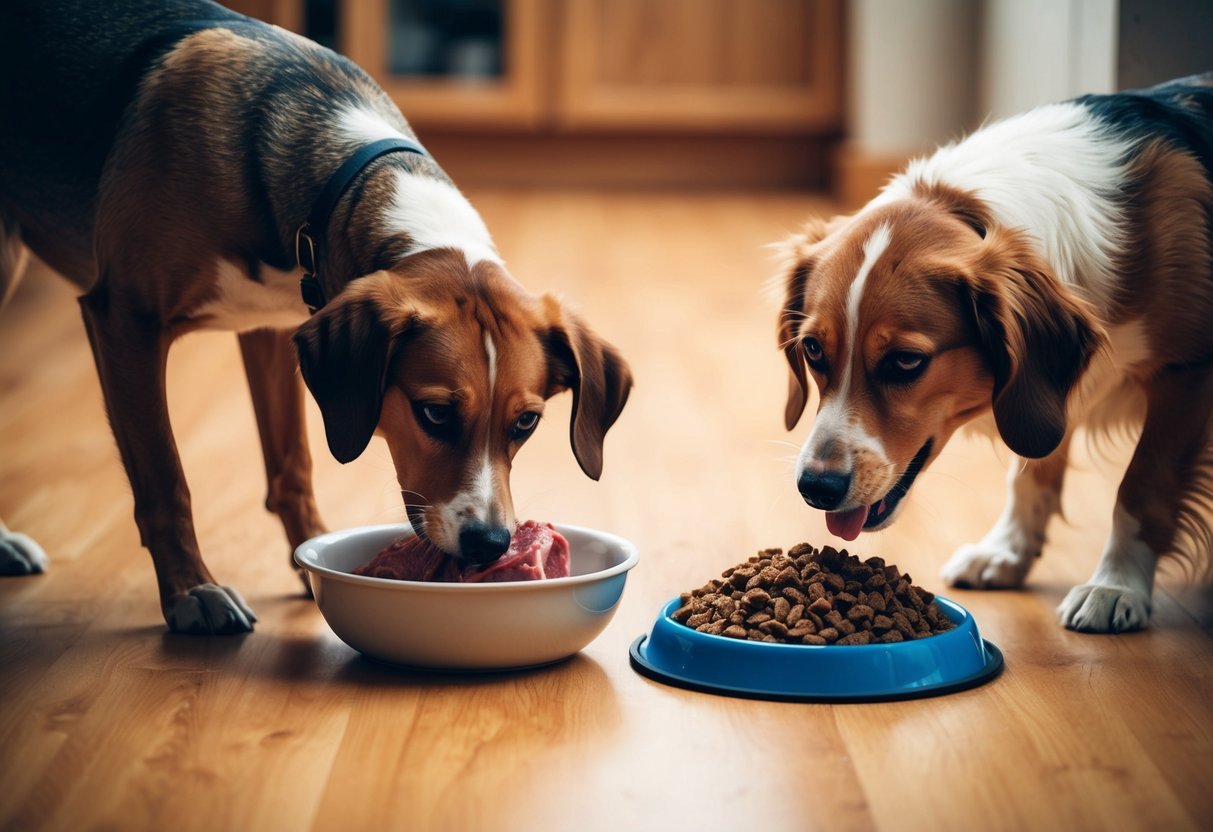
{"points": [[798, 262], [1038, 338], [600, 379], [344, 352]]}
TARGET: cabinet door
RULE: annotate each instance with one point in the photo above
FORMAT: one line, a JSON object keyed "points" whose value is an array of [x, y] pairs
{"points": [[744, 66], [492, 81]]}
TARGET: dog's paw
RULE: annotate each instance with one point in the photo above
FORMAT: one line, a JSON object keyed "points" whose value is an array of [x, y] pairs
{"points": [[1095, 608], [986, 566], [20, 554], [210, 609]]}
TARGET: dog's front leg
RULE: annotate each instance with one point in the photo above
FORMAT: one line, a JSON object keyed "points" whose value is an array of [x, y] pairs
{"points": [[271, 365], [19, 554], [1003, 557], [131, 353], [1152, 504]]}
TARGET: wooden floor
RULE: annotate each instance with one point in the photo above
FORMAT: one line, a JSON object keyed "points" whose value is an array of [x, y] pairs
{"points": [[107, 722]]}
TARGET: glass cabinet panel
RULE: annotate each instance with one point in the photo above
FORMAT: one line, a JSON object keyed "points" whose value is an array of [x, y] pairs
{"points": [[456, 39]]}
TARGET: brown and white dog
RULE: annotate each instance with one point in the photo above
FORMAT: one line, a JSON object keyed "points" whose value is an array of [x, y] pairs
{"points": [[163, 155], [1054, 269]]}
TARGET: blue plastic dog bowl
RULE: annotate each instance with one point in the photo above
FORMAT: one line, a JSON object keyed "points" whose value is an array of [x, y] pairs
{"points": [[675, 654]]}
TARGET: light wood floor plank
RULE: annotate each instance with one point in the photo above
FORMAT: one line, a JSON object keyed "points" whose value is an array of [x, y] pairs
{"points": [[107, 722]]}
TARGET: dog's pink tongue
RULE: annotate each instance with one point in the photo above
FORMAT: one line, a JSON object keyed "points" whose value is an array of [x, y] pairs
{"points": [[846, 524]]}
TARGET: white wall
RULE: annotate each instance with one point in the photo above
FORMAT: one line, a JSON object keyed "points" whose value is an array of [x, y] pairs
{"points": [[1038, 51], [911, 73], [922, 72]]}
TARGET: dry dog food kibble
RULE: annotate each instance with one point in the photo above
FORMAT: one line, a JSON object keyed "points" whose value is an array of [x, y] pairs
{"points": [[811, 596]]}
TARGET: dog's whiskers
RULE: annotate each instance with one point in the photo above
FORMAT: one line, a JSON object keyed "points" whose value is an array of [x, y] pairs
{"points": [[784, 442]]}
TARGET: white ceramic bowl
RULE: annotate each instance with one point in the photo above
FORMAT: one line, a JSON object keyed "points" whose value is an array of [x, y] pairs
{"points": [[490, 626]]}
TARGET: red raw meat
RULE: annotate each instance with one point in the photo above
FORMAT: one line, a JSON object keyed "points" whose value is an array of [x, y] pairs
{"points": [[411, 559], [536, 551]]}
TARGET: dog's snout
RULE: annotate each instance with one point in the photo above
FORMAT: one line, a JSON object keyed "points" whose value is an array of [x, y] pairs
{"points": [[825, 489], [482, 543]]}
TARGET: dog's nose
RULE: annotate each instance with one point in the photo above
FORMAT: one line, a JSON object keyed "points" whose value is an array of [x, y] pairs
{"points": [[824, 490], [482, 543]]}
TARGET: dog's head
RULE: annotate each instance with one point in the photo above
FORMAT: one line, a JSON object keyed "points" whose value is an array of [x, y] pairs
{"points": [[452, 366], [913, 317]]}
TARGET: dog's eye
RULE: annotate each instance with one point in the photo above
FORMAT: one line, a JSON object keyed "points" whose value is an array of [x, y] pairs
{"points": [[524, 425], [440, 421], [903, 366], [438, 414], [813, 352]]}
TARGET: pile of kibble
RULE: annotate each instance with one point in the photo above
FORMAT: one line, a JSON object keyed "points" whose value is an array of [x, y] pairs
{"points": [[812, 596]]}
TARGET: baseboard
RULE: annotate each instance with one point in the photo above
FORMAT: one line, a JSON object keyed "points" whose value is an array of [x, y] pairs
{"points": [[632, 161], [858, 174]]}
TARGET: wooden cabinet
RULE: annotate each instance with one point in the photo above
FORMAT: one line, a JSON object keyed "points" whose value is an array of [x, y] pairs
{"points": [[757, 66], [592, 66], [479, 98], [716, 93]]}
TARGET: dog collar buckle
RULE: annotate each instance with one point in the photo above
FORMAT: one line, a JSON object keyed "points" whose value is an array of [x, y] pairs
{"points": [[317, 221], [305, 255]]}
